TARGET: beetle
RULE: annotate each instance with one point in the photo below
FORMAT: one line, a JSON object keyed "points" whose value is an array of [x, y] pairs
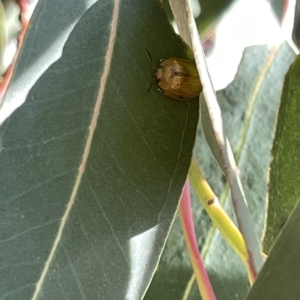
{"points": [[178, 78]]}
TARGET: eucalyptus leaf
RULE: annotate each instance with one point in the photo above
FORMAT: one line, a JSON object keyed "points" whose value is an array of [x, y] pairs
{"points": [[49, 28], [296, 26], [211, 12], [284, 190], [279, 277], [92, 166]]}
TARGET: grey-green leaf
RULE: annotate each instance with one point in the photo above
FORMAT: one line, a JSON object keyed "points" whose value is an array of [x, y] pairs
{"points": [[49, 28], [284, 188], [92, 166]]}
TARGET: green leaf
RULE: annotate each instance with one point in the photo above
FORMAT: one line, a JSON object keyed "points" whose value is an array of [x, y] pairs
{"points": [[211, 11], [279, 276], [296, 26], [249, 105], [45, 38], [92, 166], [284, 188]]}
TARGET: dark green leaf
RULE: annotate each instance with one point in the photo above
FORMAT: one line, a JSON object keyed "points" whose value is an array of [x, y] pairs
{"points": [[284, 188], [87, 200], [211, 11], [279, 277], [296, 27]]}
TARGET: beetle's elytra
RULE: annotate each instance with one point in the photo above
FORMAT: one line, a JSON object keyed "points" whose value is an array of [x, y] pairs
{"points": [[178, 78]]}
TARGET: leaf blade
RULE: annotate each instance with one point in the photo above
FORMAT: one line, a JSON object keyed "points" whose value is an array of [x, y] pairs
{"points": [[133, 176], [283, 187]]}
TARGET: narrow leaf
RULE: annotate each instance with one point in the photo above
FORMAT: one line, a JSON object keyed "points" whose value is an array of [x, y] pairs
{"points": [[296, 26], [284, 188], [279, 278]]}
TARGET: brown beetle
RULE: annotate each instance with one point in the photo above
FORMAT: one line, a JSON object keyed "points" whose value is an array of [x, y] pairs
{"points": [[178, 78]]}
